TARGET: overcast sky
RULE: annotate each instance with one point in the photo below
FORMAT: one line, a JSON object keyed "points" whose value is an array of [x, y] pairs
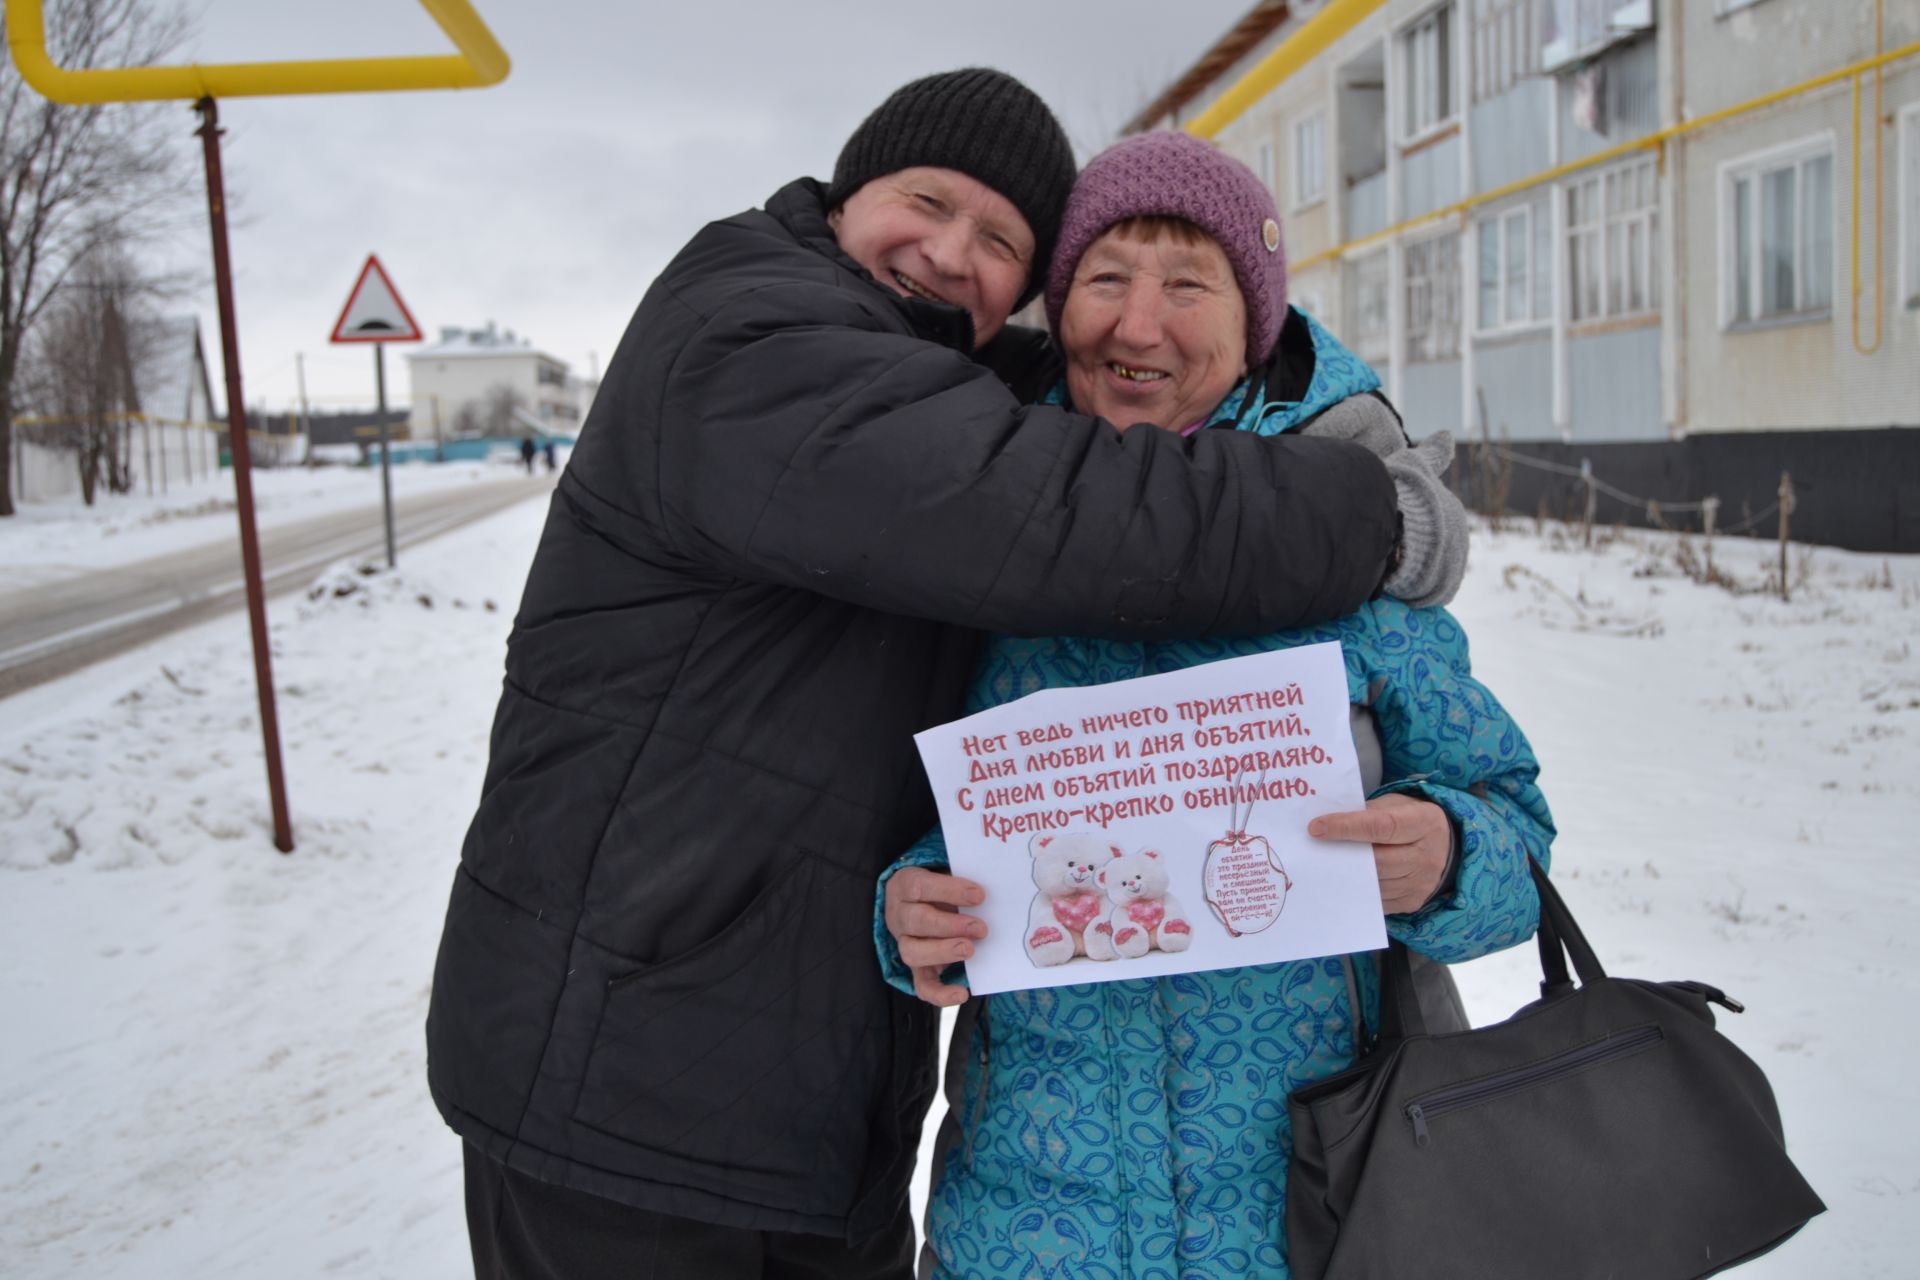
{"points": [[549, 202]]}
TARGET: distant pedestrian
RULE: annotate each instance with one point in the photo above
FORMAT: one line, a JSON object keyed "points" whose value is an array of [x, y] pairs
{"points": [[526, 453], [546, 452]]}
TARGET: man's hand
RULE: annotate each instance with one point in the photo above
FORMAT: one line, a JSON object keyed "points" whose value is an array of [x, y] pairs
{"points": [[923, 914], [1411, 841]]}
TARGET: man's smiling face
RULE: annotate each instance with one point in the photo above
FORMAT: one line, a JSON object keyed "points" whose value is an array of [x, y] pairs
{"points": [[941, 235]]}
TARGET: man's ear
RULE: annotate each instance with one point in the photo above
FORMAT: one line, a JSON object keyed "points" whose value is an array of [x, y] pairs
{"points": [[833, 218]]}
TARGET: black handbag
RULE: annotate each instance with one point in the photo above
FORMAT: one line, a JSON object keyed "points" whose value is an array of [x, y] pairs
{"points": [[1606, 1130]]}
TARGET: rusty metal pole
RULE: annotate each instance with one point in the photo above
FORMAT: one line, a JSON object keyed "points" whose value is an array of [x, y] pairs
{"points": [[209, 133]]}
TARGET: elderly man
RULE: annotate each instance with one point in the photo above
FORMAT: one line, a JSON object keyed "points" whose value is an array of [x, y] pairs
{"points": [[804, 490]]}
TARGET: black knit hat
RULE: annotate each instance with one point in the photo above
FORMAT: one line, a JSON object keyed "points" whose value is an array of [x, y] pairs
{"points": [[979, 122]]}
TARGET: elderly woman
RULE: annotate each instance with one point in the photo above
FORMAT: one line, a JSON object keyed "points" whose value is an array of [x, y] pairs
{"points": [[1139, 1128]]}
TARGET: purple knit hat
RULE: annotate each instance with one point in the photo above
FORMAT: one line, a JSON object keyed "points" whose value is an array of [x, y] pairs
{"points": [[1176, 174]]}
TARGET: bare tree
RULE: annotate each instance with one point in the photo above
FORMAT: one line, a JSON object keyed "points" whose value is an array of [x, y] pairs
{"points": [[501, 410], [80, 372], [466, 421], [75, 178]]}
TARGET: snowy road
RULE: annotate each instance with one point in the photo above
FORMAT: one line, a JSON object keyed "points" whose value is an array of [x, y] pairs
{"points": [[53, 628]]}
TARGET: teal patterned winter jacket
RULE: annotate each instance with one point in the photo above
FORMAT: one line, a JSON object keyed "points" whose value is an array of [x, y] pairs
{"points": [[1138, 1130]]}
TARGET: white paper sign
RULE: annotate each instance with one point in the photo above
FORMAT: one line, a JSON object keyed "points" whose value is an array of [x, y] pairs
{"points": [[1159, 825]]}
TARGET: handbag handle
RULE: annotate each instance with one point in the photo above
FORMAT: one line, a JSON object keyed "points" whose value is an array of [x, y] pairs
{"points": [[1559, 937]]}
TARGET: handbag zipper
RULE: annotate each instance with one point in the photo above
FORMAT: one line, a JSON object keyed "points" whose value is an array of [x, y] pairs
{"points": [[1441, 1101]]}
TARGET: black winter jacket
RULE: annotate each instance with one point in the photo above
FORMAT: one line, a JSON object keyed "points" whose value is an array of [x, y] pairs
{"points": [[796, 502]]}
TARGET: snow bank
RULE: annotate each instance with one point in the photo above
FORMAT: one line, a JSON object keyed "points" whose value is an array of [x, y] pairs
{"points": [[214, 1061]]}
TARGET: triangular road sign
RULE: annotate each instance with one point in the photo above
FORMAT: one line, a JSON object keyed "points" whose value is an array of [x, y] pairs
{"points": [[374, 312]]}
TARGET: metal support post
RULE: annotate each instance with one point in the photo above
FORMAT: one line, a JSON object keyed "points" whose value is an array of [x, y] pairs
{"points": [[209, 133], [386, 471]]}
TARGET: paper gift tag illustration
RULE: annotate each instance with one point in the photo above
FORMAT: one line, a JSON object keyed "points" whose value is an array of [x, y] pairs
{"points": [[1244, 883]]}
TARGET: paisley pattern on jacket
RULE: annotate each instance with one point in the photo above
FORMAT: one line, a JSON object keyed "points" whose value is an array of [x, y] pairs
{"points": [[1138, 1130]]}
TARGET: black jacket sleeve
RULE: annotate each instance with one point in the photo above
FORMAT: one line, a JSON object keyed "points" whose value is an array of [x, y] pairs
{"points": [[800, 445]]}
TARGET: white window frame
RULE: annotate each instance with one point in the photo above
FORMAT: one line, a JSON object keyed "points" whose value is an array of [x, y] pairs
{"points": [[1722, 8], [1263, 162], [1309, 166], [1908, 131], [1536, 312], [1442, 299], [1598, 238], [1415, 43], [1754, 167], [1506, 49], [1373, 346], [1585, 27]]}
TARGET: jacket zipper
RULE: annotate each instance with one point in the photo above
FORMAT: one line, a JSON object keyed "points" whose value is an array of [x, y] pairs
{"points": [[1441, 1101], [986, 1080]]}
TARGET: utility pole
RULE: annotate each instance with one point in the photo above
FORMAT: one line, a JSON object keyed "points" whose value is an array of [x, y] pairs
{"points": [[306, 419]]}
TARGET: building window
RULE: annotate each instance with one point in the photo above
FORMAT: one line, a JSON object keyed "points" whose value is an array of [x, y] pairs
{"points": [[1777, 234], [1505, 51], [1309, 159], [1426, 71], [1364, 315], [1613, 250], [1728, 6], [1263, 163], [1910, 206], [1432, 269], [1572, 30], [1515, 269]]}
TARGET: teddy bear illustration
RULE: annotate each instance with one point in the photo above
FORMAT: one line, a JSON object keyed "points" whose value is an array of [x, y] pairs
{"points": [[1068, 917], [1144, 915]]}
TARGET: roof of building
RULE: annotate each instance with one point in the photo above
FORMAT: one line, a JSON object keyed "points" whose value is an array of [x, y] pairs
{"points": [[455, 342], [1254, 26], [170, 359]]}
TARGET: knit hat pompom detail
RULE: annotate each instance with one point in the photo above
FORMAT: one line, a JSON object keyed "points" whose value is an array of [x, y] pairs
{"points": [[1174, 174], [979, 122]]}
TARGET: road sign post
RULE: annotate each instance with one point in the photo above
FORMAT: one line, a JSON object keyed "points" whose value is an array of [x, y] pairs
{"points": [[374, 313], [480, 62]]}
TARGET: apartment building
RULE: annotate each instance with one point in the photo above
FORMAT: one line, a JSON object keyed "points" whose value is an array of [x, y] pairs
{"points": [[1629, 234]]}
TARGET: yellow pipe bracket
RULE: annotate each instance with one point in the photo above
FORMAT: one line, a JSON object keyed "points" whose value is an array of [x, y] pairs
{"points": [[480, 62]]}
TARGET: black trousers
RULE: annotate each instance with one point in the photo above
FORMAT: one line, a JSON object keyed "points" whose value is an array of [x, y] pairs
{"points": [[524, 1229]]}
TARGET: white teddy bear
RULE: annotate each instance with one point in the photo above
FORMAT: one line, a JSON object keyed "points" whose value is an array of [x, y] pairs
{"points": [[1068, 916], [1144, 914]]}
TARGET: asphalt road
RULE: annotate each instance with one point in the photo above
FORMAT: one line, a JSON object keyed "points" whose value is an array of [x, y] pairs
{"points": [[51, 630]]}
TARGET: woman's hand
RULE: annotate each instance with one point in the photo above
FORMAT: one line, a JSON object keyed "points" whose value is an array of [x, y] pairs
{"points": [[1411, 838], [923, 914]]}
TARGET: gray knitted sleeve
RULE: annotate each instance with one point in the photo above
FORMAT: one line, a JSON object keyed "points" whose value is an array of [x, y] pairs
{"points": [[1435, 533]]}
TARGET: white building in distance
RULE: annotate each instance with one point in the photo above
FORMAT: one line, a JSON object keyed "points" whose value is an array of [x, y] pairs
{"points": [[488, 382]]}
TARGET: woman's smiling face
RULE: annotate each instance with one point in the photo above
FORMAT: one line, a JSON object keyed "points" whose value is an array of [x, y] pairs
{"points": [[1154, 327]]}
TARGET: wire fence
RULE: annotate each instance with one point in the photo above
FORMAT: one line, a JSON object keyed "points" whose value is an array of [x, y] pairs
{"points": [[1655, 509]]}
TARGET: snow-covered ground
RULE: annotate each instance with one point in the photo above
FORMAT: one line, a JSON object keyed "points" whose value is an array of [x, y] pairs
{"points": [[213, 1060], [51, 541]]}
